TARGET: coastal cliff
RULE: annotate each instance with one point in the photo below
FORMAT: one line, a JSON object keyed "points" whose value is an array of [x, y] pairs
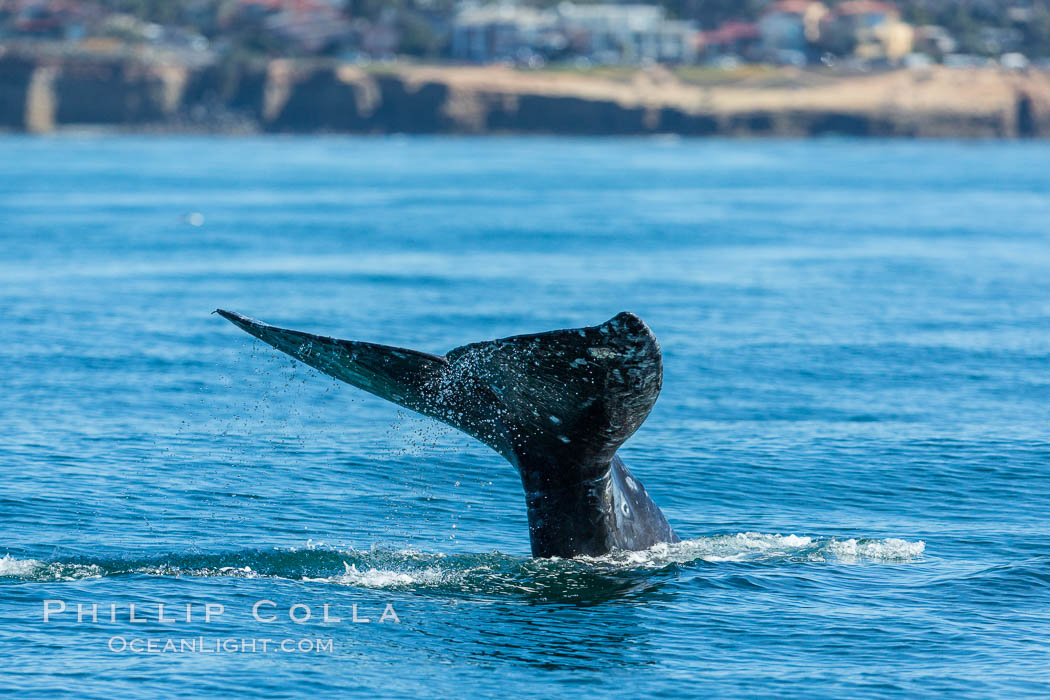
{"points": [[41, 94]]}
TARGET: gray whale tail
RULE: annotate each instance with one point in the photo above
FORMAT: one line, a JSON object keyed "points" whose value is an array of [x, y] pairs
{"points": [[556, 405]]}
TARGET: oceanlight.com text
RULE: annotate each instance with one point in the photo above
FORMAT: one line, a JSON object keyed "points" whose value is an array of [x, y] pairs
{"points": [[217, 645]]}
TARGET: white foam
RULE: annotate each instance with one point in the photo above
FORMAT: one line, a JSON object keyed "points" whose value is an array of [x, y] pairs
{"points": [[891, 549], [743, 545], [42, 571], [749, 546], [384, 578], [207, 572], [9, 566]]}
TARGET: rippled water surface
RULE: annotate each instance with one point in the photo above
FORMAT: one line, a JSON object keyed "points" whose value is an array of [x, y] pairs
{"points": [[851, 440]]}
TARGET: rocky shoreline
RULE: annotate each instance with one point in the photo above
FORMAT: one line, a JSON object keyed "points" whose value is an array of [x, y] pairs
{"points": [[41, 94]]}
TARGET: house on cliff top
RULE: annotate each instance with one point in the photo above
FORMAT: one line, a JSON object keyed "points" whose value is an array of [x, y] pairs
{"points": [[501, 32], [868, 29], [632, 34], [601, 33], [789, 29]]}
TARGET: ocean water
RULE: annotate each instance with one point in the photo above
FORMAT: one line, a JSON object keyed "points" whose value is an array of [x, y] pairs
{"points": [[852, 437]]}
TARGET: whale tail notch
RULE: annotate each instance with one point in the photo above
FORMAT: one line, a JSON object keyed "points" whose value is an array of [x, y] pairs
{"points": [[557, 404]]}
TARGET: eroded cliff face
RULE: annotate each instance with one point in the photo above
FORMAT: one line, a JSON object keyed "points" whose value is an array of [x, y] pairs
{"points": [[349, 100], [117, 92], [285, 96], [16, 79], [40, 95]]}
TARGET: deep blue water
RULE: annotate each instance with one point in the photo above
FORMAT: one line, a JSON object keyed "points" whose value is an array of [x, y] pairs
{"points": [[852, 435]]}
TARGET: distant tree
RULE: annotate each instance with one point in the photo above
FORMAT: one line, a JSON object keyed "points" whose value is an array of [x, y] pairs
{"points": [[960, 22], [836, 40], [1035, 32], [418, 37]]}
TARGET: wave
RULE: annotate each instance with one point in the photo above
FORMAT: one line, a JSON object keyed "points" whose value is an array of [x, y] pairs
{"points": [[494, 572]]}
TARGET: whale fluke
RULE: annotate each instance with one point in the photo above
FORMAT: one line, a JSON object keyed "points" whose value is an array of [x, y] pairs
{"points": [[557, 405]]}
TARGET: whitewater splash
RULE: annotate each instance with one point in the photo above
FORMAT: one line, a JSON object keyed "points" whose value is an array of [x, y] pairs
{"points": [[36, 570], [466, 573], [754, 546]]}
